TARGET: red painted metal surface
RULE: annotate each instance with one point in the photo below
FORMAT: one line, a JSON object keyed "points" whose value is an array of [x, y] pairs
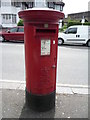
{"points": [[40, 69], [41, 16]]}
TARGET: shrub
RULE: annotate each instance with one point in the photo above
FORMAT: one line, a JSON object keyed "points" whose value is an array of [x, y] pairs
{"points": [[63, 28], [20, 23]]}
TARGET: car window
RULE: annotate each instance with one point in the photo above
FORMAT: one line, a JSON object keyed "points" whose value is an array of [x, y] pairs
{"points": [[13, 30], [21, 30], [71, 31]]}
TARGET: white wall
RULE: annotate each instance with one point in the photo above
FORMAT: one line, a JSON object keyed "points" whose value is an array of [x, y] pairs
{"points": [[0, 17], [18, 9], [89, 6], [6, 8]]}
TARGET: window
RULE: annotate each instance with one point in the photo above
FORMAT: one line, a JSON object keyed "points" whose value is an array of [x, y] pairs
{"points": [[13, 30], [13, 18], [21, 30], [57, 7], [8, 18], [16, 4], [50, 5], [71, 31], [13, 3], [61, 8], [6, 3], [3, 16], [30, 4]]}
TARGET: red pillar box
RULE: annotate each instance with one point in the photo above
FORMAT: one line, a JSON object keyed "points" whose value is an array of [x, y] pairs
{"points": [[41, 42]]}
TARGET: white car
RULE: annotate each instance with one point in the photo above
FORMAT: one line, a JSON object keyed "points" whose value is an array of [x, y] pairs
{"points": [[78, 34]]}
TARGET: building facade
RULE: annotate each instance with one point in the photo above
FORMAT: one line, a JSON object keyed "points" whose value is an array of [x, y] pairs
{"points": [[79, 16], [8, 13], [9, 9]]}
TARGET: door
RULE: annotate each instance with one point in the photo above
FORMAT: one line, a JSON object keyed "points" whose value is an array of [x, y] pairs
{"points": [[11, 34], [71, 35], [48, 65], [20, 33]]}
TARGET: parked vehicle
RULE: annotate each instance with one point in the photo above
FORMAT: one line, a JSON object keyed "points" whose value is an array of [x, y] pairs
{"points": [[15, 33], [78, 34]]}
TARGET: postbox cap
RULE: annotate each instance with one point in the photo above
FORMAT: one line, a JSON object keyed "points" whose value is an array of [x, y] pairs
{"points": [[41, 15]]}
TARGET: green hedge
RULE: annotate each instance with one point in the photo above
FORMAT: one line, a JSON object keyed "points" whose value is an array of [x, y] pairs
{"points": [[20, 23], [87, 23], [71, 23]]}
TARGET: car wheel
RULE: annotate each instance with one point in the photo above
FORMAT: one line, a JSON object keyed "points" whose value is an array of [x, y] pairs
{"points": [[2, 39], [60, 41], [88, 43]]}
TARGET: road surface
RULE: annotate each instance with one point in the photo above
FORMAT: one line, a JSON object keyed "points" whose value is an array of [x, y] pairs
{"points": [[72, 63]]}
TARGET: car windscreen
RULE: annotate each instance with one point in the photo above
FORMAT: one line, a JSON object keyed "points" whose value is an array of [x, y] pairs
{"points": [[13, 30], [21, 30]]}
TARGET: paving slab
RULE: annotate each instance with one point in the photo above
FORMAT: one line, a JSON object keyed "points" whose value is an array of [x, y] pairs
{"points": [[67, 106]]}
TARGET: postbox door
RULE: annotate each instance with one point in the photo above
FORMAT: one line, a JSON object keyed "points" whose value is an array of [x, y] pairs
{"points": [[48, 65]]}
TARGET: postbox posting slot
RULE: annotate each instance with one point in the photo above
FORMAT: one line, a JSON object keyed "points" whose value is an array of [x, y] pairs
{"points": [[45, 31]]}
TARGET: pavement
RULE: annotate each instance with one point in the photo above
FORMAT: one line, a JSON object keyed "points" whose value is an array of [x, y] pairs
{"points": [[71, 102]]}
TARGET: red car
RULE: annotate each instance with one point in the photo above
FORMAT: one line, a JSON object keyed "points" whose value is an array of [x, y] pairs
{"points": [[15, 33]]}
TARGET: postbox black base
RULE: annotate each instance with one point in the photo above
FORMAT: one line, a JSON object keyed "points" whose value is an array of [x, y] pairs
{"points": [[40, 102]]}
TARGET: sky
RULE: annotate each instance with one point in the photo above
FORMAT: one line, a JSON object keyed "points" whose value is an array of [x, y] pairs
{"points": [[75, 6]]}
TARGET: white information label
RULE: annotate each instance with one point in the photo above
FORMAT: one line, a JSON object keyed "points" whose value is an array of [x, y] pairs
{"points": [[45, 47]]}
